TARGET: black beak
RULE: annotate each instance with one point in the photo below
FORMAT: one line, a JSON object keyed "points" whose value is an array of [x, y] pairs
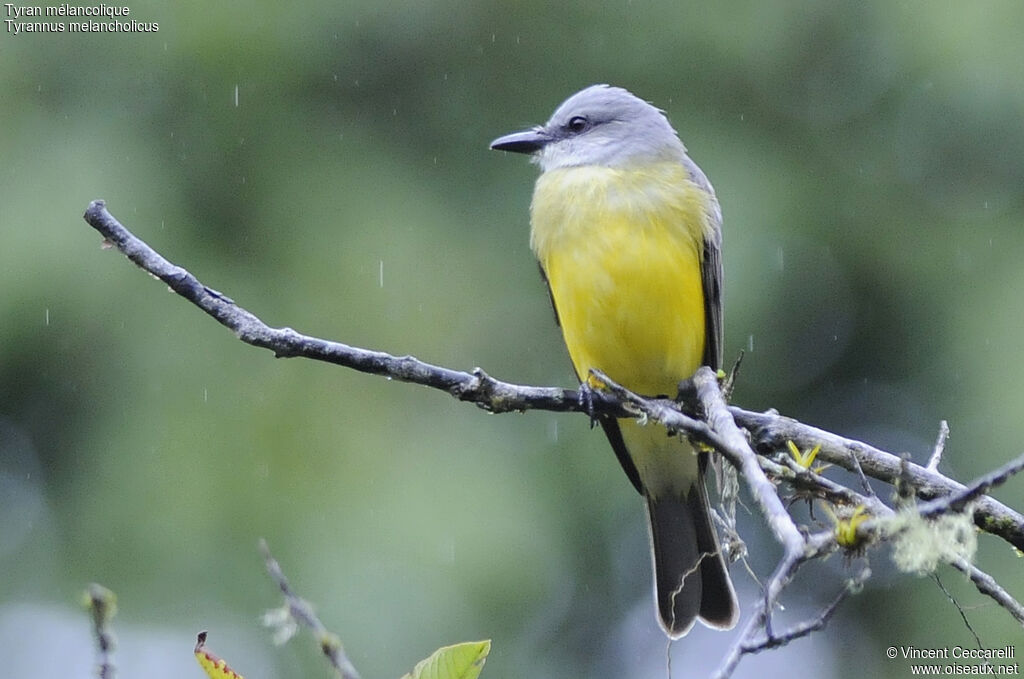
{"points": [[529, 141]]}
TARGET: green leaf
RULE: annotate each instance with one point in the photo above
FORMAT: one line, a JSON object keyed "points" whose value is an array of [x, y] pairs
{"points": [[461, 661]]}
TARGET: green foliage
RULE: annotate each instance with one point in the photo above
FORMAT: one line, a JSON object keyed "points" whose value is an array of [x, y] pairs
{"points": [[459, 661]]}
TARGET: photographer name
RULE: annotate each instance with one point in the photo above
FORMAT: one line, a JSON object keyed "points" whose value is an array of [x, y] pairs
{"points": [[916, 653]]}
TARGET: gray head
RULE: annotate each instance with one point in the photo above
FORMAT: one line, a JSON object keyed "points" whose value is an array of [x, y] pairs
{"points": [[600, 125]]}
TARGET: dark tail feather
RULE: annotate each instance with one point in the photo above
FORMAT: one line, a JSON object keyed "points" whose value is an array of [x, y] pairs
{"points": [[718, 605], [686, 585], [674, 550]]}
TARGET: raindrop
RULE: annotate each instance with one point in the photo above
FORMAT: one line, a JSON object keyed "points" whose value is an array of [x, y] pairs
{"points": [[380, 273], [206, 395], [47, 316], [750, 343], [780, 253], [236, 96]]}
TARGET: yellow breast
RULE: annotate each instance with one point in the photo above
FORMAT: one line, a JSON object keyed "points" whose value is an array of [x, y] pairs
{"points": [[622, 249]]}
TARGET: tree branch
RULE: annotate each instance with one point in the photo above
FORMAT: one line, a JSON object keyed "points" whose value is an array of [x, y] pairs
{"points": [[748, 440], [815, 546], [299, 611], [720, 419], [102, 605], [769, 431], [988, 586], [476, 387], [817, 623], [940, 446]]}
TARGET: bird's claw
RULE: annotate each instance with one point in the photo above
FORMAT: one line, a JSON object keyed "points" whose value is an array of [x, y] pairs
{"points": [[586, 401]]}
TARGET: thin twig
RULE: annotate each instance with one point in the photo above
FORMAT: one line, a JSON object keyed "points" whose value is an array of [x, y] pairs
{"points": [[820, 486], [940, 446], [102, 605], [815, 624], [816, 545], [988, 586], [959, 609], [956, 502], [302, 612], [864, 483]]}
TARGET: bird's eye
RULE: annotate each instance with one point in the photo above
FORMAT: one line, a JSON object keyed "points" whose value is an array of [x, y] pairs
{"points": [[577, 124]]}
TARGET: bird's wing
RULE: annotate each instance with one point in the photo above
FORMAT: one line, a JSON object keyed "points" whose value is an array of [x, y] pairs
{"points": [[711, 275], [710, 268]]}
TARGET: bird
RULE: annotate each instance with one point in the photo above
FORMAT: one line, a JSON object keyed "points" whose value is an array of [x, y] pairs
{"points": [[628, 234]]}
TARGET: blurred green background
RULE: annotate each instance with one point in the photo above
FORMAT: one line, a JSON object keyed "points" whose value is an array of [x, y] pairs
{"points": [[326, 165]]}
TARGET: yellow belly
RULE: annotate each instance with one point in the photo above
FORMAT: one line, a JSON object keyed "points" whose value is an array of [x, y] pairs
{"points": [[622, 250], [622, 253]]}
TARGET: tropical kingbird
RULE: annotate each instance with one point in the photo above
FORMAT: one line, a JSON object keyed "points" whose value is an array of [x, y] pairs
{"points": [[627, 230]]}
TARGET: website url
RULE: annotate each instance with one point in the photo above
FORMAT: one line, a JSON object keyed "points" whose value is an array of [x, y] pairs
{"points": [[1010, 670]]}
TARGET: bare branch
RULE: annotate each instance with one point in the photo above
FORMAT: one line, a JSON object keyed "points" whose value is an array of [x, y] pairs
{"points": [[721, 420], [746, 439], [815, 546], [102, 605], [818, 486], [940, 446], [958, 607], [302, 612], [957, 501], [770, 431], [813, 625], [476, 387], [988, 586]]}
